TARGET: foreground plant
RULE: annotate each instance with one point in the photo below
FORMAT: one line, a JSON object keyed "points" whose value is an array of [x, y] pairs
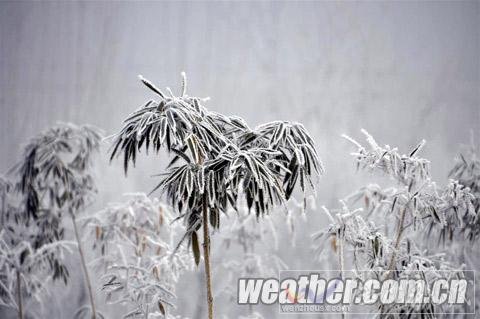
{"points": [[135, 244], [415, 211], [217, 159], [54, 180]]}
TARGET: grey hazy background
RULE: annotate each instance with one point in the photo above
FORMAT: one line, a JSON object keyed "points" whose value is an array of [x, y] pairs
{"points": [[402, 70]]}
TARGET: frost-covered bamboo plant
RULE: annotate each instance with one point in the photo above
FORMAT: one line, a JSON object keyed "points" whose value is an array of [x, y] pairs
{"points": [[416, 199], [25, 265], [413, 209], [467, 172], [54, 179], [135, 243], [216, 159]]}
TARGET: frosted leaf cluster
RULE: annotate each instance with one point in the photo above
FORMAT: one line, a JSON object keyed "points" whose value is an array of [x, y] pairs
{"points": [[445, 211], [51, 180], [53, 177], [467, 172], [217, 158], [391, 227]]}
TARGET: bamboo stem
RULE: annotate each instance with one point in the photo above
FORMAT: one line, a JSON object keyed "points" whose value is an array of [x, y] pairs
{"points": [[85, 269], [341, 261], [206, 255], [19, 296], [400, 228], [391, 265]]}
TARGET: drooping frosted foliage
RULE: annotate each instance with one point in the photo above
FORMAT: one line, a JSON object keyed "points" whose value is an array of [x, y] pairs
{"points": [[218, 157], [217, 160], [54, 176], [52, 179]]}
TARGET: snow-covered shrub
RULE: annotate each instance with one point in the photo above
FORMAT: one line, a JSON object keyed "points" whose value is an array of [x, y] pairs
{"points": [[54, 180], [467, 172], [413, 209], [26, 267], [137, 257], [54, 175]]}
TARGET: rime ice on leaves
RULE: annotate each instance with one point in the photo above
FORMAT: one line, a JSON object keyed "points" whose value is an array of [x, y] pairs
{"points": [[412, 210], [216, 160]]}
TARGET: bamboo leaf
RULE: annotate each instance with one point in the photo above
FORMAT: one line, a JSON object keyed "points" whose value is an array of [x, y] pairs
{"points": [[195, 248]]}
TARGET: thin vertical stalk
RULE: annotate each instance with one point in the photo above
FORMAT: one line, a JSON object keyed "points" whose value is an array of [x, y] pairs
{"points": [[4, 205], [206, 259], [85, 269], [398, 239], [19, 296], [341, 261]]}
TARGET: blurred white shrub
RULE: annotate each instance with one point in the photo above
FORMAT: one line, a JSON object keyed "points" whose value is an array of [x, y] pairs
{"points": [[137, 255], [26, 268]]}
